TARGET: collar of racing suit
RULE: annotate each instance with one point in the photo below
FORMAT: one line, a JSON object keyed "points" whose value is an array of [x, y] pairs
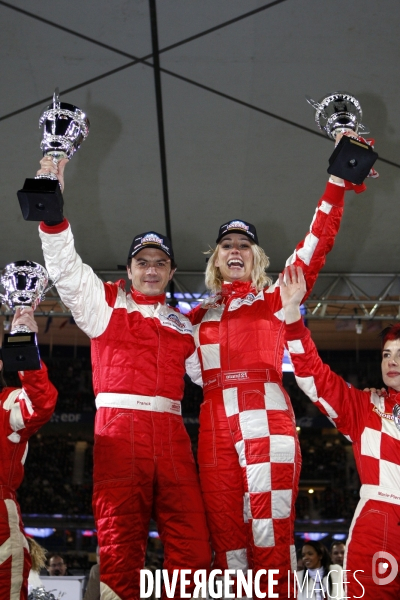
{"points": [[393, 397], [236, 287], [140, 298]]}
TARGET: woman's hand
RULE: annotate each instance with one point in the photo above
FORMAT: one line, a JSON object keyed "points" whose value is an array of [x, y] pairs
{"points": [[293, 289]]}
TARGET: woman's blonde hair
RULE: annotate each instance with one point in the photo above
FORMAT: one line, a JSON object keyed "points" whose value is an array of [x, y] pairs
{"points": [[38, 555], [259, 277]]}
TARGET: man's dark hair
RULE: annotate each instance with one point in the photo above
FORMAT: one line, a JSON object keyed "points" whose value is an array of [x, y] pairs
{"points": [[54, 555], [337, 543]]}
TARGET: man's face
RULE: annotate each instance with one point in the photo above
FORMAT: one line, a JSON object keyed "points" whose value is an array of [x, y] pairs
{"points": [[150, 271], [338, 554], [56, 566]]}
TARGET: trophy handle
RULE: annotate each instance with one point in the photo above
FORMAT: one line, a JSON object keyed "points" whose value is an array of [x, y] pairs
{"points": [[3, 300], [53, 283], [363, 129], [56, 98], [317, 106]]}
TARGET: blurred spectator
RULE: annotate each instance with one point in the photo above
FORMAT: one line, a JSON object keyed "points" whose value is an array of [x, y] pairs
{"points": [[337, 553], [48, 487], [93, 586], [56, 565], [319, 579]]}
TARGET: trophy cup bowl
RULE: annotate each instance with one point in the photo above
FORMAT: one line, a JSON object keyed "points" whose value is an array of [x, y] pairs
{"points": [[340, 112], [25, 284], [65, 127]]}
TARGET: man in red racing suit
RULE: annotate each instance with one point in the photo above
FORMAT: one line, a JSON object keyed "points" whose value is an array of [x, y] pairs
{"points": [[143, 462], [22, 412], [248, 451], [372, 555]]}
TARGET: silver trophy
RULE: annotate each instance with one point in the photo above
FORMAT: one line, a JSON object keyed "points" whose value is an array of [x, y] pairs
{"points": [[25, 284], [340, 112], [65, 127], [337, 113]]}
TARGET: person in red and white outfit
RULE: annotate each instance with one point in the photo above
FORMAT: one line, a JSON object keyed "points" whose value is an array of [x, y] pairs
{"points": [[248, 451], [372, 423], [143, 462], [22, 412]]}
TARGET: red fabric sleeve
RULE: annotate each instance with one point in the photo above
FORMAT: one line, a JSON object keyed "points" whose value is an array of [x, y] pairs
{"points": [[346, 406], [37, 400], [54, 228]]}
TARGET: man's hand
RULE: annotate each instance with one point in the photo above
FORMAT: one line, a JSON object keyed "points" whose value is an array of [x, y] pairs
{"points": [[49, 165], [293, 289], [24, 316]]}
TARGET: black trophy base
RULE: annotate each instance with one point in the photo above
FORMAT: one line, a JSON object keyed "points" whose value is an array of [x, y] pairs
{"points": [[41, 200], [352, 160], [20, 352]]}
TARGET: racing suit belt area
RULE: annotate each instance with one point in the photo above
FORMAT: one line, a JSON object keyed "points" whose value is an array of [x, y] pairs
{"points": [[249, 460], [138, 402]]}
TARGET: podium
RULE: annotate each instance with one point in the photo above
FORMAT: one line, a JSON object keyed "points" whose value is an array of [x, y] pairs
{"points": [[66, 587]]}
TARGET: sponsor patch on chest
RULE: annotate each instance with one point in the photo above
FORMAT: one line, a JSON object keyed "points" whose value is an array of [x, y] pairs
{"points": [[383, 415], [176, 322], [246, 301]]}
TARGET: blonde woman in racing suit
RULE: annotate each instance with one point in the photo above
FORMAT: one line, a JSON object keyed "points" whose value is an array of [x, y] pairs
{"points": [[248, 451]]}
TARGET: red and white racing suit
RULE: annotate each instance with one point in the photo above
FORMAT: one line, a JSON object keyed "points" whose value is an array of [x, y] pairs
{"points": [[22, 413], [248, 453], [143, 462], [368, 421]]}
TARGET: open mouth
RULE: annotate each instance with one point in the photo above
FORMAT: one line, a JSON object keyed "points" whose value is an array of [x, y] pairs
{"points": [[235, 263]]}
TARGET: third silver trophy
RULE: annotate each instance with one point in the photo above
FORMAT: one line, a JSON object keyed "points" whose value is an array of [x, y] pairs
{"points": [[341, 112]]}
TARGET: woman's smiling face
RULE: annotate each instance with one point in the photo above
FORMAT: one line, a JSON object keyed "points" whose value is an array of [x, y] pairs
{"points": [[235, 258]]}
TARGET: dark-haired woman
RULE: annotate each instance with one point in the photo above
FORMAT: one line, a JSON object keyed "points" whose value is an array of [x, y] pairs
{"points": [[22, 412], [372, 423], [319, 579]]}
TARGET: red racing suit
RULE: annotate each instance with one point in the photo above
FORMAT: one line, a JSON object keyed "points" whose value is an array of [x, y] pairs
{"points": [[367, 420], [22, 413], [143, 462], [248, 452]]}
